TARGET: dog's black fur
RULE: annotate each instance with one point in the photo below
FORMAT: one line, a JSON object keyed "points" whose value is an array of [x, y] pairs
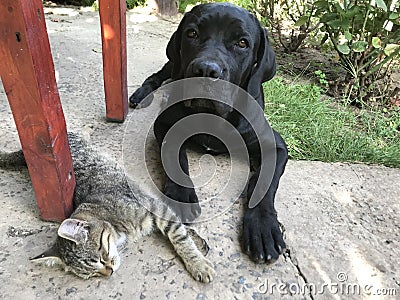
{"points": [[220, 40]]}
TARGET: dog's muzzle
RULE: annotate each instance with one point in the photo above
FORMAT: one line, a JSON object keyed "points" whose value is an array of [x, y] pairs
{"points": [[208, 95], [209, 106]]}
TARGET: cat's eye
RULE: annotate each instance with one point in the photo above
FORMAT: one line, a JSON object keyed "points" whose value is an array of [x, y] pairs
{"points": [[243, 43], [191, 33], [101, 240]]}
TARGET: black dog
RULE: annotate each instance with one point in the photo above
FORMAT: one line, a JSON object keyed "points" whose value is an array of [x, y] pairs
{"points": [[223, 41]]}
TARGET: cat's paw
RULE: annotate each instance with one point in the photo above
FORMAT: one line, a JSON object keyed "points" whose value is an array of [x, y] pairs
{"points": [[262, 236], [202, 270]]}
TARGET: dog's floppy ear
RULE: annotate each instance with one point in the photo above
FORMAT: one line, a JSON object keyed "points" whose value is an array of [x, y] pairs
{"points": [[174, 50], [174, 53], [265, 66]]}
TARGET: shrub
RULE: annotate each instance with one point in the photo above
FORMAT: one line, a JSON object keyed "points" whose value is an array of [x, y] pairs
{"points": [[366, 36], [133, 3], [291, 21]]}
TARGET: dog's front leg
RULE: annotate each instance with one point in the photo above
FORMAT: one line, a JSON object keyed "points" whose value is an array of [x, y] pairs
{"points": [[152, 83], [262, 236], [179, 188]]}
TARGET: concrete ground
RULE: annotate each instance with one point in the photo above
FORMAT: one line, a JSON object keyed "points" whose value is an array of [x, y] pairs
{"points": [[341, 220]]}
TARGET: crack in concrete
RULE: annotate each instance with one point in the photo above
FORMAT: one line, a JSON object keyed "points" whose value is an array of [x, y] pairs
{"points": [[293, 260], [289, 256]]}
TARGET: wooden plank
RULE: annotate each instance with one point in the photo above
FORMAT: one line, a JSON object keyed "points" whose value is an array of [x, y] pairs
{"points": [[113, 34], [27, 72]]}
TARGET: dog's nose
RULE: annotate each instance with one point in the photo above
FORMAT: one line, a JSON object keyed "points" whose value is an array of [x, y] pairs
{"points": [[207, 69]]}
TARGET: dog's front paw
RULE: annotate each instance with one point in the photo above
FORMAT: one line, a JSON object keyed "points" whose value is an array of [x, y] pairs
{"points": [[262, 237], [183, 201], [202, 270], [135, 100]]}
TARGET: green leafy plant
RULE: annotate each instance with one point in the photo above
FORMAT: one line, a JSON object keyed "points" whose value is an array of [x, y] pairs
{"points": [[95, 6], [322, 78], [133, 3], [366, 36], [291, 21]]}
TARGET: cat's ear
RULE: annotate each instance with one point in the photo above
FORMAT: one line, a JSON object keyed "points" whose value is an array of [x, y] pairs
{"points": [[74, 230], [50, 257]]}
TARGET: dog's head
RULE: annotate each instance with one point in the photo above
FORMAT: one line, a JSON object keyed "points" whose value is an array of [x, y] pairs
{"points": [[221, 40]]}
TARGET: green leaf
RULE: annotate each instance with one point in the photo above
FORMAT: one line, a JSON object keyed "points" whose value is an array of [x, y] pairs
{"points": [[348, 35], [393, 16], [390, 48], [322, 4], [351, 12], [381, 4], [329, 17], [303, 20], [376, 42], [345, 49], [359, 46], [339, 7], [335, 24]]}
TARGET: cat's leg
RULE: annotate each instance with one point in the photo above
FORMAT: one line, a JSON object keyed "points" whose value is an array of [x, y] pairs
{"points": [[198, 266], [12, 160], [201, 243]]}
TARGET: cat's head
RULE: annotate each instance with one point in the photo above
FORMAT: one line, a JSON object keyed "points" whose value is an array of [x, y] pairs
{"points": [[84, 248]]}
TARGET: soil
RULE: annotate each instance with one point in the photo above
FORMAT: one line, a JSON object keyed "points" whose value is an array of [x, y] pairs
{"points": [[306, 61]]}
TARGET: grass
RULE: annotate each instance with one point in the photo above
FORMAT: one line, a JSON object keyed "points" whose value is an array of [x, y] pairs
{"points": [[317, 130]]}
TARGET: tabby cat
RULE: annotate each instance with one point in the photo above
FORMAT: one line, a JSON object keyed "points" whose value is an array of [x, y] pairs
{"points": [[108, 213]]}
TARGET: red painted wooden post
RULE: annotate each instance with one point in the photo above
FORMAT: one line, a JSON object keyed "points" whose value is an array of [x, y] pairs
{"points": [[27, 72], [113, 34]]}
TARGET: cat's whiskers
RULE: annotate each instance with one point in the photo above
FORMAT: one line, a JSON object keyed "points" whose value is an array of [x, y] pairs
{"points": [[122, 241]]}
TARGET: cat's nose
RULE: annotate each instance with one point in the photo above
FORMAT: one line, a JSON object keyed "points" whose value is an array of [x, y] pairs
{"points": [[109, 271]]}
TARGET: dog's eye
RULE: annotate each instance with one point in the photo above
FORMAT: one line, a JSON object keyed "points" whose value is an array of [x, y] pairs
{"points": [[191, 33], [243, 43]]}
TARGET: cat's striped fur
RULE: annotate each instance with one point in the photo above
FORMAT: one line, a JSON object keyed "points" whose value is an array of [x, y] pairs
{"points": [[108, 213]]}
